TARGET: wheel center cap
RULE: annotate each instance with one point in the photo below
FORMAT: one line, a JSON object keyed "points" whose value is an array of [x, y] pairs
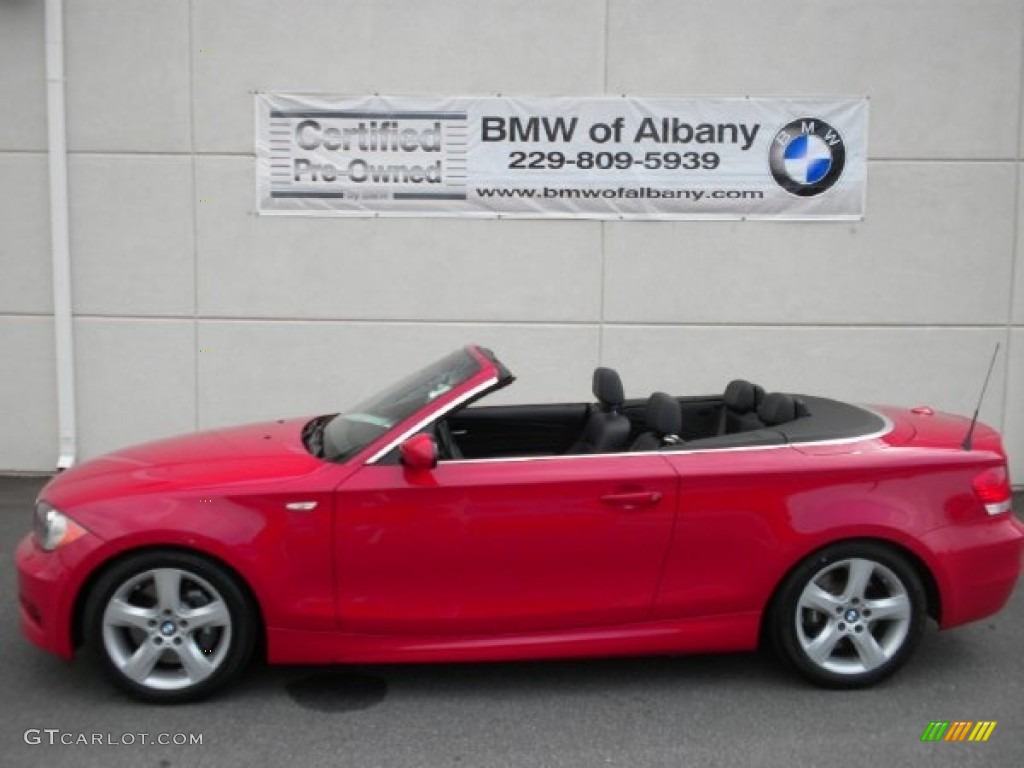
{"points": [[168, 628], [852, 616]]}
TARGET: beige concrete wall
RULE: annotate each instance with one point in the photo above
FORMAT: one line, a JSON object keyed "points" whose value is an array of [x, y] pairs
{"points": [[192, 314]]}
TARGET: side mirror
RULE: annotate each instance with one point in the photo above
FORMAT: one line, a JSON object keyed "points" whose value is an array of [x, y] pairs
{"points": [[419, 452]]}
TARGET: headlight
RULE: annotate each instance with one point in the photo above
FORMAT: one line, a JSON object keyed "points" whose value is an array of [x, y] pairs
{"points": [[53, 528]]}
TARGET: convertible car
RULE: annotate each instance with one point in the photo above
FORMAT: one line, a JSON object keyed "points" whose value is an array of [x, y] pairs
{"points": [[419, 526]]}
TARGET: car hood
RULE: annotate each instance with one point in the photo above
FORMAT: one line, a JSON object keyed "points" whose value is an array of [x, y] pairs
{"points": [[266, 452]]}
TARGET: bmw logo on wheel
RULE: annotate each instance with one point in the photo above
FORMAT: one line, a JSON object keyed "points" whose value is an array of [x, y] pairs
{"points": [[807, 156]]}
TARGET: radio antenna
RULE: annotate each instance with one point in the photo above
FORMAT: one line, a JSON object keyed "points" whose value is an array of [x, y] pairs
{"points": [[970, 430]]}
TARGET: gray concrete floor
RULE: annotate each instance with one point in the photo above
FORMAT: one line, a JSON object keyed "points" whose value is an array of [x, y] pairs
{"points": [[713, 710]]}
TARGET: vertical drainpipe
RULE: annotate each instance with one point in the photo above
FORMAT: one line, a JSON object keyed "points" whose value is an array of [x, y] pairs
{"points": [[58, 155]]}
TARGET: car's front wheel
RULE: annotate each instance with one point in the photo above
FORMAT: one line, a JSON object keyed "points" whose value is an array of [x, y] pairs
{"points": [[850, 615], [169, 626]]}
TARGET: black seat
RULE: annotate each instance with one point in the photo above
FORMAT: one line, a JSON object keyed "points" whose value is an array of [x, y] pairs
{"points": [[779, 408], [607, 429], [740, 402], [664, 422]]}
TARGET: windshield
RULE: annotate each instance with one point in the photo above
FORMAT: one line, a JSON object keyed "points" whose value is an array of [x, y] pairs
{"points": [[348, 433]]}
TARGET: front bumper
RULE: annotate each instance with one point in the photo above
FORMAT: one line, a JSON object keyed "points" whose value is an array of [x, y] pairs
{"points": [[977, 567], [47, 585]]}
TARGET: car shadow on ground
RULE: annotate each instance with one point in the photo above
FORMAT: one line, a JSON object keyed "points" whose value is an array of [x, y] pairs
{"points": [[350, 688], [343, 688]]}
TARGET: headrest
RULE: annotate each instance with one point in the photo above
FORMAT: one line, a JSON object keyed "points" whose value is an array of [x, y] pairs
{"points": [[777, 408], [664, 415], [742, 397], [608, 388]]}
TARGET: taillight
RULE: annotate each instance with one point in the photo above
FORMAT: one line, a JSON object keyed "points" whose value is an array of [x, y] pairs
{"points": [[992, 487]]}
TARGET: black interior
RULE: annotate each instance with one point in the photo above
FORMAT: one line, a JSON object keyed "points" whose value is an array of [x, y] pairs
{"points": [[606, 429], [663, 422], [505, 431], [517, 430], [740, 403], [700, 416]]}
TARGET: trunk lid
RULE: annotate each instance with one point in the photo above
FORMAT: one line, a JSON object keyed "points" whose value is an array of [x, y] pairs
{"points": [[926, 427]]}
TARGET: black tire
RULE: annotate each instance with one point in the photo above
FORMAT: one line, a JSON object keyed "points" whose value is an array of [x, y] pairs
{"points": [[831, 632], [188, 661]]}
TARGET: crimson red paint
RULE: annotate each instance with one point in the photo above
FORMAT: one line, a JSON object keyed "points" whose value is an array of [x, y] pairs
{"points": [[527, 557]]}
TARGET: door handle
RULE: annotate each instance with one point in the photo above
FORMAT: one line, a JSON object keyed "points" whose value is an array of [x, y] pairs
{"points": [[632, 500]]}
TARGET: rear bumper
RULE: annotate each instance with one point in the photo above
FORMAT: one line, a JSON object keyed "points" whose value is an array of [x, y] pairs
{"points": [[977, 567], [47, 584]]}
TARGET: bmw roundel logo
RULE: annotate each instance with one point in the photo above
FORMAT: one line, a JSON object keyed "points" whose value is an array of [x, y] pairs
{"points": [[807, 156]]}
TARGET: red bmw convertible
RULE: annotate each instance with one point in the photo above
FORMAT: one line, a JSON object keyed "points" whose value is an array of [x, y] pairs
{"points": [[419, 526]]}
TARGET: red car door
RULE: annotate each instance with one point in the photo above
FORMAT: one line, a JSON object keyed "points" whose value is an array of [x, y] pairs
{"points": [[503, 545]]}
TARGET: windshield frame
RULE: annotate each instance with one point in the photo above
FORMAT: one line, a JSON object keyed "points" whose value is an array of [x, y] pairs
{"points": [[471, 371]]}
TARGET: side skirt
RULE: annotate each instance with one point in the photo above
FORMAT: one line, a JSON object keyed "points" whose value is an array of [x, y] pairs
{"points": [[732, 632]]}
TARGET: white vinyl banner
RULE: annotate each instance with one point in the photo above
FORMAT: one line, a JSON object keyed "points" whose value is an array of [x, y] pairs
{"points": [[562, 157]]}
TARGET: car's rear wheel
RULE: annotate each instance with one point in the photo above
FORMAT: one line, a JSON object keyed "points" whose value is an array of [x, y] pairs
{"points": [[169, 626], [850, 615]]}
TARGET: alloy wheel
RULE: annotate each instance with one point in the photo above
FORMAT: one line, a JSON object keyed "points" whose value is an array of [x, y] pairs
{"points": [[853, 616], [167, 629]]}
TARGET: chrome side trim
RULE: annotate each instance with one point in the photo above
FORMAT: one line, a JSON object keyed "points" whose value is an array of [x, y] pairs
{"points": [[433, 417], [886, 429]]}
